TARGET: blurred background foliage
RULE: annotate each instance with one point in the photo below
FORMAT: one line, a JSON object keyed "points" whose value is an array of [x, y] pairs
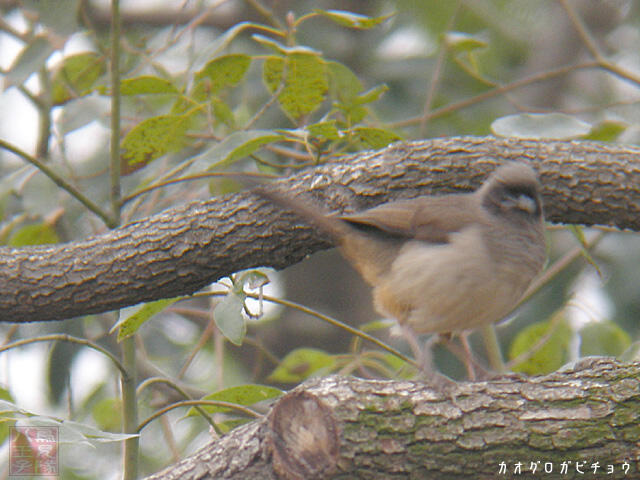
{"points": [[212, 88]]}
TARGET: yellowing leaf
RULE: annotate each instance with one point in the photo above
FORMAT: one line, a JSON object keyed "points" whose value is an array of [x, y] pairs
{"points": [[305, 82], [236, 146], [374, 137], [607, 131], [146, 85], [37, 234], [327, 130], [345, 85], [153, 138], [219, 73]]}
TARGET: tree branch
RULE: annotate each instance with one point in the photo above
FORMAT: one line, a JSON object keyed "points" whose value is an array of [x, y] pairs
{"points": [[182, 249], [339, 427]]}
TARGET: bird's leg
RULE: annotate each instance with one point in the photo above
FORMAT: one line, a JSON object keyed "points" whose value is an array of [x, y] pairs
{"points": [[464, 353], [424, 357], [469, 361]]}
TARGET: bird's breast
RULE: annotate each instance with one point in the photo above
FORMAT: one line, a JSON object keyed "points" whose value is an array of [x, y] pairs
{"points": [[460, 285]]}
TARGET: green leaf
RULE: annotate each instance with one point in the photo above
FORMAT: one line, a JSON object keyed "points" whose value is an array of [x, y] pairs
{"points": [[76, 76], [154, 137], [147, 85], [241, 395], [346, 88], [607, 131], [371, 95], [129, 324], [326, 130], [603, 338], [281, 49], [553, 126], [402, 368], [31, 59], [5, 394], [107, 414], [552, 355], [223, 113], [353, 20], [345, 85], [382, 324], [463, 42], [219, 73], [38, 234], [235, 147], [227, 37], [301, 364], [92, 434], [229, 319], [70, 432], [374, 138], [305, 82]]}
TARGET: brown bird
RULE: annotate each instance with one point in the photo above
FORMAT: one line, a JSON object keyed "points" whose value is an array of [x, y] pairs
{"points": [[444, 264]]}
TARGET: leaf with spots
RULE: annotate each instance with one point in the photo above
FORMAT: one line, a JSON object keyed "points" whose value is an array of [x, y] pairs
{"points": [[147, 85], [152, 138], [221, 72], [302, 80]]}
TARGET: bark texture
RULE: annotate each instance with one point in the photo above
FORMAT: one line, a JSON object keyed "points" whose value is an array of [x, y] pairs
{"points": [[180, 250], [392, 430]]}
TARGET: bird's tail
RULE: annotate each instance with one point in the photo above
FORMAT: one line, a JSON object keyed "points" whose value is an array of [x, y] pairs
{"points": [[307, 211]]}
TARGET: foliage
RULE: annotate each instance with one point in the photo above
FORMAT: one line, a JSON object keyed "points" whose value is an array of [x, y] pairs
{"points": [[204, 98]]}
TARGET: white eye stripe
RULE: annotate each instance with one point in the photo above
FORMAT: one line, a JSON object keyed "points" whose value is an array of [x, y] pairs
{"points": [[521, 202], [526, 203]]}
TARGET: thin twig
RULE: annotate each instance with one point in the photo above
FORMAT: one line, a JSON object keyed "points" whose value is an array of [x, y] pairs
{"points": [[539, 77], [188, 403], [63, 337], [61, 182]]}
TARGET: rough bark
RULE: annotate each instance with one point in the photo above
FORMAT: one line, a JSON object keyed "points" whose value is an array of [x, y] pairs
{"points": [[390, 429], [182, 249]]}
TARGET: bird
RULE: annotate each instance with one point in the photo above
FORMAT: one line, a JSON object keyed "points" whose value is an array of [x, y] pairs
{"points": [[442, 264]]}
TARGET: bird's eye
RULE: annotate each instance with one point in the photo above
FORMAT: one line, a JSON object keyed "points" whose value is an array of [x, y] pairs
{"points": [[519, 200]]}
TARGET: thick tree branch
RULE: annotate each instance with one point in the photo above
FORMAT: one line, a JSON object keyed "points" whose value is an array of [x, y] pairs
{"points": [[181, 250], [341, 427]]}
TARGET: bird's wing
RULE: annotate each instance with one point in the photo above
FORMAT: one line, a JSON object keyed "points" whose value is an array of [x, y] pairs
{"points": [[431, 219]]}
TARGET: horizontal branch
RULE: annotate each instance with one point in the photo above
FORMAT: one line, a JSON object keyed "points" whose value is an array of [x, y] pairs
{"points": [[339, 427], [185, 248]]}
